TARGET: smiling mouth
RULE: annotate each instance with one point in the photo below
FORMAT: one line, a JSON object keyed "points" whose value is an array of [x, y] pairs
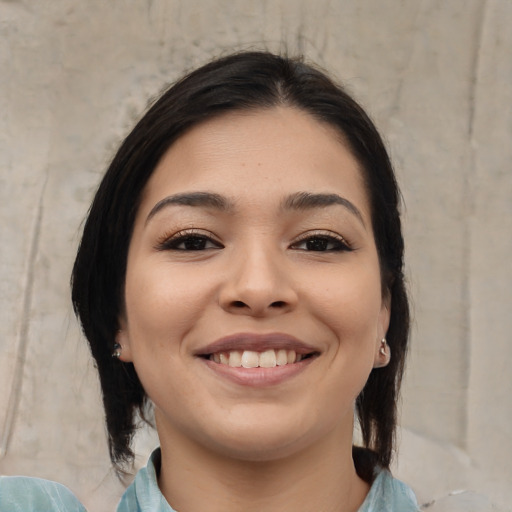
{"points": [[236, 353], [252, 359]]}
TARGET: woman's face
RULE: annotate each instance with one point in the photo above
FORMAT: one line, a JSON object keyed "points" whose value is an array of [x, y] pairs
{"points": [[254, 310]]}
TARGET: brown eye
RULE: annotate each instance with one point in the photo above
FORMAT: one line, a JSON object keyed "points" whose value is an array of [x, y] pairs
{"points": [[192, 243], [321, 243], [317, 244], [184, 241]]}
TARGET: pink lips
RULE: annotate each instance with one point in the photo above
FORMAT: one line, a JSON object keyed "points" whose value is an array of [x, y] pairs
{"points": [[257, 342], [257, 377]]}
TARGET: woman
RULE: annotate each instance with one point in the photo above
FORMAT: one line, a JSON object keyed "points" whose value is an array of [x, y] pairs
{"points": [[241, 271]]}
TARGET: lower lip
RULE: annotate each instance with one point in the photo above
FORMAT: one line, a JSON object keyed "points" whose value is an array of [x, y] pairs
{"points": [[259, 377]]}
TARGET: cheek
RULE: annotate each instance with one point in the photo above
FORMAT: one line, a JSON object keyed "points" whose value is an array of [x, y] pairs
{"points": [[351, 309], [163, 302], [350, 304]]}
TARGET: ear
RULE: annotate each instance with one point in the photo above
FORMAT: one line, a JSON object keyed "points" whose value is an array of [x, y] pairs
{"points": [[123, 340], [382, 353]]}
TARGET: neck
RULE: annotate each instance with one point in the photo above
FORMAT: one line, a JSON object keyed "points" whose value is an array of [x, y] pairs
{"points": [[321, 477]]}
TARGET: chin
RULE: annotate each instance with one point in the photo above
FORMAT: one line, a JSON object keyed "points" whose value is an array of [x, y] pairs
{"points": [[264, 442], [262, 449]]}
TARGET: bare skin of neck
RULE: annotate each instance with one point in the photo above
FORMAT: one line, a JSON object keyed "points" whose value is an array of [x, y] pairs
{"points": [[321, 477]]}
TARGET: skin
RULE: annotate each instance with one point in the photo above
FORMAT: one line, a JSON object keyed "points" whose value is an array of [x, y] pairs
{"points": [[312, 273]]}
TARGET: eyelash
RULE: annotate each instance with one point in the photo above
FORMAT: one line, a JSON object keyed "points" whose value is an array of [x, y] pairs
{"points": [[339, 243], [172, 242]]}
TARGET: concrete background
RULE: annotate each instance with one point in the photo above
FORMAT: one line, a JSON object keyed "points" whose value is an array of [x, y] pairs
{"points": [[436, 76]]}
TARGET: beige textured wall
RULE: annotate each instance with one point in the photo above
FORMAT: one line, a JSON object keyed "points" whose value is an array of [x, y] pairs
{"points": [[437, 77]]}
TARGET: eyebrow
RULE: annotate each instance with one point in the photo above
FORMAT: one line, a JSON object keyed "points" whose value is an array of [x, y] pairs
{"points": [[309, 201], [300, 201], [204, 199]]}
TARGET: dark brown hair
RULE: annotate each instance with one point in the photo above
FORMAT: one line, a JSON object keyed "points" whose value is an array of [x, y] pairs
{"points": [[238, 82]]}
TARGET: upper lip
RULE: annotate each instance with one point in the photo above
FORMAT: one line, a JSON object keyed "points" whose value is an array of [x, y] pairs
{"points": [[257, 342]]}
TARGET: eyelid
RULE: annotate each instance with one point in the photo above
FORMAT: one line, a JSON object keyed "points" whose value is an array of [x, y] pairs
{"points": [[165, 241], [318, 233]]}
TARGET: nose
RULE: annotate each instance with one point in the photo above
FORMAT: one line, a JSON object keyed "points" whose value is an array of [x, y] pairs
{"points": [[258, 283]]}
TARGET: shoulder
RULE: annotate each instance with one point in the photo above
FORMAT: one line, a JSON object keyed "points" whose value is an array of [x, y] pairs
{"points": [[387, 494], [462, 501], [24, 494], [143, 494]]}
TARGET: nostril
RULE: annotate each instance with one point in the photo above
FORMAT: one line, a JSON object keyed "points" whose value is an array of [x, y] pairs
{"points": [[255, 309]]}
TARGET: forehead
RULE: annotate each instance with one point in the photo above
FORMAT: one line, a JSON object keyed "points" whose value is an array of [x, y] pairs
{"points": [[258, 156]]}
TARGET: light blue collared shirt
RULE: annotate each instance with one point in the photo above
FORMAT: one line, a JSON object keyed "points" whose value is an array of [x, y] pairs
{"points": [[23, 494]]}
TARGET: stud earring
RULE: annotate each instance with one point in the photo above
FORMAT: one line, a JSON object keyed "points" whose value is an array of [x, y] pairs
{"points": [[117, 350], [383, 347], [384, 354]]}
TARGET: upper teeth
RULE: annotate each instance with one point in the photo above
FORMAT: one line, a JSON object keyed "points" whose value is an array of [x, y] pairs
{"points": [[251, 359]]}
